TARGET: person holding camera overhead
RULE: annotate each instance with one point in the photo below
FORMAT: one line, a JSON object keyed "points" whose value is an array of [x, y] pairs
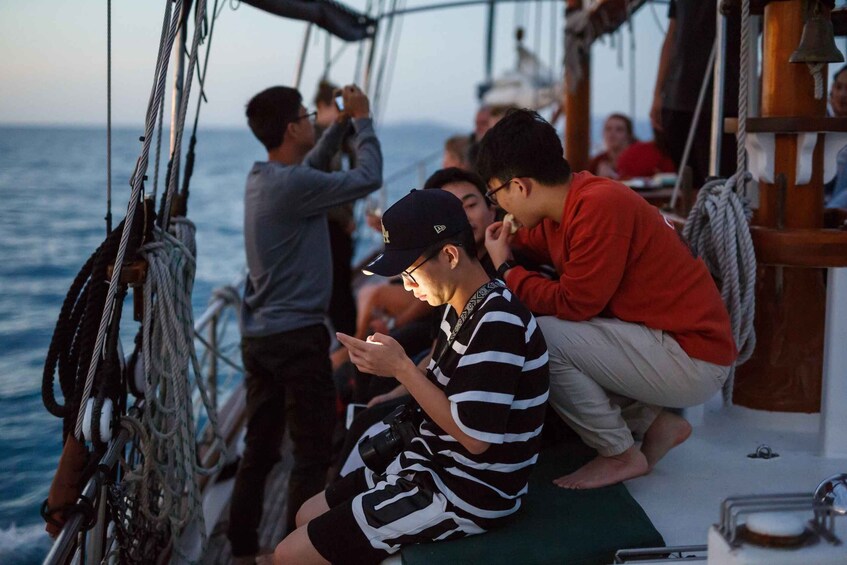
{"points": [[462, 466], [285, 344]]}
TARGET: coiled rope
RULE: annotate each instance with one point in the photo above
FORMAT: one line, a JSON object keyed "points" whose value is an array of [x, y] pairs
{"points": [[171, 462], [718, 230], [72, 344]]}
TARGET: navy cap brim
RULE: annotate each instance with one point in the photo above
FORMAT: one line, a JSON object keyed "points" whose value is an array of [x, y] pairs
{"points": [[392, 262]]}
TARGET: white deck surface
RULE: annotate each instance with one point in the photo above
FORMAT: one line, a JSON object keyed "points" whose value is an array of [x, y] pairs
{"points": [[682, 495]]}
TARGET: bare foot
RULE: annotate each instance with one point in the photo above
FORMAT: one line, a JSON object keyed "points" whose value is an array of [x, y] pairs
{"points": [[666, 432], [602, 471]]}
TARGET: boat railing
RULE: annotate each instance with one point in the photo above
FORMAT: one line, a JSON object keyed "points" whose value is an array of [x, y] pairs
{"points": [[86, 537], [85, 515]]}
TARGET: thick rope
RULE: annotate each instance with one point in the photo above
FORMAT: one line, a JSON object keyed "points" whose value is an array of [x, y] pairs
{"points": [[817, 73], [171, 462], [743, 91], [61, 343], [718, 230], [156, 95]]}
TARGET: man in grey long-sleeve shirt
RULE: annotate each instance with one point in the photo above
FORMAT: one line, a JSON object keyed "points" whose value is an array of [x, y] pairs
{"points": [[285, 345]]}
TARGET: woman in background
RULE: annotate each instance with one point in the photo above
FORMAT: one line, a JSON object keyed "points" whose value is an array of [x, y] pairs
{"points": [[617, 136]]}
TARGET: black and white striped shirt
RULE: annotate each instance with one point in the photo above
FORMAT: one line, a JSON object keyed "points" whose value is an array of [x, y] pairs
{"points": [[496, 377]]}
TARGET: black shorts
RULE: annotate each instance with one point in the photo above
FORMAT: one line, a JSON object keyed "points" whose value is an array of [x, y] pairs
{"points": [[372, 516]]}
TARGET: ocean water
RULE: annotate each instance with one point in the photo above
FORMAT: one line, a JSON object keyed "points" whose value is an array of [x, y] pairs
{"points": [[52, 208]]}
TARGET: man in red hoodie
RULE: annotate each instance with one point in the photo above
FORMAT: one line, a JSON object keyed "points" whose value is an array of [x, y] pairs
{"points": [[633, 324]]}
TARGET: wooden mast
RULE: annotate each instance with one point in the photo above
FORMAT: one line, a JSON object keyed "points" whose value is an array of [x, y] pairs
{"points": [[785, 370], [577, 104]]}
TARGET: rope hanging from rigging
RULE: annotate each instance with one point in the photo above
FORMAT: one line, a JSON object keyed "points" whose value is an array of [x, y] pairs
{"points": [[156, 96], [169, 491], [718, 230]]}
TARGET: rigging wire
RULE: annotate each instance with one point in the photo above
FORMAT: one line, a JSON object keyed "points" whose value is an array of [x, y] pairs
{"points": [[183, 110], [327, 54], [156, 96], [656, 18], [392, 64], [387, 39], [554, 27], [360, 56], [334, 59], [537, 39], [108, 117], [201, 79]]}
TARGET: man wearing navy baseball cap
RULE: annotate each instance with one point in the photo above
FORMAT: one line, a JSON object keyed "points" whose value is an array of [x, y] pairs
{"points": [[482, 401], [421, 220]]}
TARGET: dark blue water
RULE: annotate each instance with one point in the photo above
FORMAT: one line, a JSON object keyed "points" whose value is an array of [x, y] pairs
{"points": [[52, 204]]}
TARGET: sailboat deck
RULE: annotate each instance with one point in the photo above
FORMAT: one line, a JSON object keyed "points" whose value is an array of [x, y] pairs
{"points": [[271, 529], [682, 495]]}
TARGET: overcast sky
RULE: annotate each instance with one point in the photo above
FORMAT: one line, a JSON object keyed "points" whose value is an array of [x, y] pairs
{"points": [[53, 60]]}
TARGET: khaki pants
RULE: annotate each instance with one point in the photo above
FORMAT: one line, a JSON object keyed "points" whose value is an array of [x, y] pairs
{"points": [[609, 379]]}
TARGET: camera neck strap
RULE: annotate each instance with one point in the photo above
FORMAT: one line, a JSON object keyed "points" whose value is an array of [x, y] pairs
{"points": [[478, 298]]}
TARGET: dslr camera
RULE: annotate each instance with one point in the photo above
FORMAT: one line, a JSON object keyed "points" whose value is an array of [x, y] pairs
{"points": [[381, 449]]}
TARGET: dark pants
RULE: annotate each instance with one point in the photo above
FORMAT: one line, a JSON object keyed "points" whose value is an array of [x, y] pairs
{"points": [[342, 305], [676, 125], [289, 382]]}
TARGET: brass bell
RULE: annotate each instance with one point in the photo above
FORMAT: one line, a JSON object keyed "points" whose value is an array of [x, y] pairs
{"points": [[817, 44]]}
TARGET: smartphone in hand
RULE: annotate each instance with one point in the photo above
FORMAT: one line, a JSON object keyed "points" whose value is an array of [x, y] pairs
{"points": [[339, 103], [353, 410]]}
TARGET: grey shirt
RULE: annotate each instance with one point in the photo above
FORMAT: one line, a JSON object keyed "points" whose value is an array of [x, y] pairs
{"points": [[286, 238]]}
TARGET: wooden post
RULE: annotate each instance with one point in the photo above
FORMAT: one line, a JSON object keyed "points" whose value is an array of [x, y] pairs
{"points": [[785, 370], [577, 104]]}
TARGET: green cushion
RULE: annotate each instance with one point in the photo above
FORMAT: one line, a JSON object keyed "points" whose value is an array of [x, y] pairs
{"points": [[554, 525]]}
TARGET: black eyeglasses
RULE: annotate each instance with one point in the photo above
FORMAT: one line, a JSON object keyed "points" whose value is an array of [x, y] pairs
{"points": [[408, 274], [490, 194], [310, 116]]}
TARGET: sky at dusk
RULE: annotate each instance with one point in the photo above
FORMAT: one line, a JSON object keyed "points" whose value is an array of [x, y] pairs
{"points": [[53, 63], [53, 60]]}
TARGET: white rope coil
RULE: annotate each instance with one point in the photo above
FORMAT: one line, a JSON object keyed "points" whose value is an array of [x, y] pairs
{"points": [[171, 463], [717, 230]]}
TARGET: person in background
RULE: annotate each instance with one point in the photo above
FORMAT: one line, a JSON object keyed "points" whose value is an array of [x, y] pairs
{"points": [[481, 403], [481, 119], [643, 159], [497, 114], [285, 342], [617, 136], [342, 305], [456, 153], [633, 323], [682, 67], [835, 191]]}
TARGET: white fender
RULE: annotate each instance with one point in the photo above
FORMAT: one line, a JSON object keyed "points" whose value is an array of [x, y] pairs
{"points": [[105, 422]]}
